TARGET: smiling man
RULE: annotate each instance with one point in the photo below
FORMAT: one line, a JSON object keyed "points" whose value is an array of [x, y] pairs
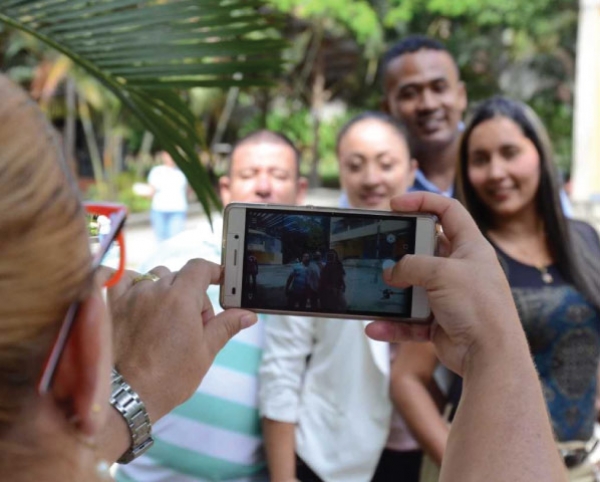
{"points": [[215, 435], [422, 89]]}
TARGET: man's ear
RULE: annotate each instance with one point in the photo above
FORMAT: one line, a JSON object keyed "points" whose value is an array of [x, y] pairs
{"points": [[81, 384], [301, 188], [224, 189]]}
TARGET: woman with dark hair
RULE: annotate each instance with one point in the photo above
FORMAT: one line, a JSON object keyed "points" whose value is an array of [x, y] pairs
{"points": [[332, 285], [508, 181]]}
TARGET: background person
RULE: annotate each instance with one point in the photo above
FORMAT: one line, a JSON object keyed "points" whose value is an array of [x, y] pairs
{"points": [[313, 424], [195, 441], [509, 184], [169, 198]]}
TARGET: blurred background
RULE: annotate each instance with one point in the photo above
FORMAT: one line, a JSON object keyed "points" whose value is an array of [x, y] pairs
{"points": [[544, 52]]}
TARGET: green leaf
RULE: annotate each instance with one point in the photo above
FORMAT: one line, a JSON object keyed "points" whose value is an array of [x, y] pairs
{"points": [[146, 51]]}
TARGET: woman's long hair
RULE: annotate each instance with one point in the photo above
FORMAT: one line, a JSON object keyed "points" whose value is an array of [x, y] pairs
{"points": [[44, 255], [573, 258]]}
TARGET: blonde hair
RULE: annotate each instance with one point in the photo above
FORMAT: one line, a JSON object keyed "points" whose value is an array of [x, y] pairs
{"points": [[44, 256]]}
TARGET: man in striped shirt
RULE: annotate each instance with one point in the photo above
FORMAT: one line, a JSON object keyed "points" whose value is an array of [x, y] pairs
{"points": [[216, 435]]}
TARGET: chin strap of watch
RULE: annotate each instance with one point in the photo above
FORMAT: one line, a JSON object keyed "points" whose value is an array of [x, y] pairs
{"points": [[133, 410]]}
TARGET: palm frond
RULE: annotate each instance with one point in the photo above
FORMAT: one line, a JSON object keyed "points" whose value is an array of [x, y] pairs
{"points": [[144, 51]]}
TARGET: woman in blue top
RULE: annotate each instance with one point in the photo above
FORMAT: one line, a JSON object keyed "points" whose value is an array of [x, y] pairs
{"points": [[508, 182], [553, 264]]}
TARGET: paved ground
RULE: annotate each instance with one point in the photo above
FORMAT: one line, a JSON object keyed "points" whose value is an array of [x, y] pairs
{"points": [[141, 243], [365, 288]]}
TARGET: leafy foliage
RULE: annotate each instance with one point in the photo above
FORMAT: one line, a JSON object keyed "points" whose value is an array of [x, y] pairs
{"points": [[144, 51]]}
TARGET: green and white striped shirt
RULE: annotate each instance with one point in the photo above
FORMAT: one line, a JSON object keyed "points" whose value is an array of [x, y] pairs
{"points": [[214, 436]]}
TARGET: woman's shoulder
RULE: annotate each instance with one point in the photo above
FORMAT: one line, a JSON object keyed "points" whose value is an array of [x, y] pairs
{"points": [[587, 233]]}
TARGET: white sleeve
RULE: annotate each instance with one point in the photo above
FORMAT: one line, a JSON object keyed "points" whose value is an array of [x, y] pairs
{"points": [[289, 341]]}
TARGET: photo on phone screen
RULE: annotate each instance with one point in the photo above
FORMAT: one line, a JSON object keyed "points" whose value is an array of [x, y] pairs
{"points": [[324, 262]]}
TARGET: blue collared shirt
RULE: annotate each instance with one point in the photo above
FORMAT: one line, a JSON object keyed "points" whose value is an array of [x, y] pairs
{"points": [[423, 184]]}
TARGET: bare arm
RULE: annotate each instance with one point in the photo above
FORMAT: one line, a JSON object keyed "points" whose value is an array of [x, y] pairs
{"points": [[412, 373], [501, 431], [280, 447]]}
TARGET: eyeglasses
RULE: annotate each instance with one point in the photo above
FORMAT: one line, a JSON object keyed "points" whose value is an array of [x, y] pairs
{"points": [[105, 223], [107, 243]]}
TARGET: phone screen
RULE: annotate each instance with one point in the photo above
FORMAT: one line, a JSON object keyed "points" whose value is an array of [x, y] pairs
{"points": [[325, 262]]}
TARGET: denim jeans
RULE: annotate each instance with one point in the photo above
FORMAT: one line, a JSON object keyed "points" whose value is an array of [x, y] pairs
{"points": [[167, 224]]}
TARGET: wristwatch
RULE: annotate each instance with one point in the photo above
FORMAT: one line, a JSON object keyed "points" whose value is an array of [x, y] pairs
{"points": [[133, 410]]}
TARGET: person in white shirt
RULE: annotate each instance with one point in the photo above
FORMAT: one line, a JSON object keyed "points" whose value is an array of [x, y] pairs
{"points": [[169, 198], [312, 410]]}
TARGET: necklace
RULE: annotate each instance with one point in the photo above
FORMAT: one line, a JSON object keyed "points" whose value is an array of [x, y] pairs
{"points": [[546, 276]]}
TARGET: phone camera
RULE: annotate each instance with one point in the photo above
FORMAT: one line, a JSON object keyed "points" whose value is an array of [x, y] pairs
{"points": [[236, 237]]}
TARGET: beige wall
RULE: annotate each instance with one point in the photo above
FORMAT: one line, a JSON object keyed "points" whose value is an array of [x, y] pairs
{"points": [[586, 145]]}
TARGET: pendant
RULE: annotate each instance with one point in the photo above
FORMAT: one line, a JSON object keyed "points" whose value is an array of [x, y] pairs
{"points": [[546, 277]]}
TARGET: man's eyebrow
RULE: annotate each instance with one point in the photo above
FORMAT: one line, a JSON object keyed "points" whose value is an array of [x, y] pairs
{"points": [[419, 85], [381, 154]]}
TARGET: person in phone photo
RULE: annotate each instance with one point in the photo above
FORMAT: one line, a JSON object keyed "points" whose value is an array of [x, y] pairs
{"points": [[333, 286], [297, 288], [314, 280]]}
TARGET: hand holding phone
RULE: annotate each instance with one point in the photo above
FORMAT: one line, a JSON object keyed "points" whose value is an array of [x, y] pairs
{"points": [[322, 261]]}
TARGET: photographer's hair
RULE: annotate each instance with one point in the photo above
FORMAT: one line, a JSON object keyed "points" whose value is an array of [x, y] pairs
{"points": [[410, 45], [372, 115], [572, 257], [268, 137], [46, 262]]}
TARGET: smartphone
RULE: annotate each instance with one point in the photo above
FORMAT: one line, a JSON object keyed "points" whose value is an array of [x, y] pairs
{"points": [[322, 262]]}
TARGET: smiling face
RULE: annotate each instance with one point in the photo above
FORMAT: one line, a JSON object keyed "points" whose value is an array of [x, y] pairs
{"points": [[263, 172], [503, 166], [375, 164], [423, 90]]}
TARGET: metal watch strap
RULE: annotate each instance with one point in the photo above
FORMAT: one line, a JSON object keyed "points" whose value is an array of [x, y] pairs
{"points": [[133, 410]]}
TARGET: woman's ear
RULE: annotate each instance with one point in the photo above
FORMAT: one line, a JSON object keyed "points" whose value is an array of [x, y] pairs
{"points": [[81, 384]]}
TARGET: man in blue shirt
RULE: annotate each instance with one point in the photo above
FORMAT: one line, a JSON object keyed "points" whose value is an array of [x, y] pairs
{"points": [[297, 286], [422, 89]]}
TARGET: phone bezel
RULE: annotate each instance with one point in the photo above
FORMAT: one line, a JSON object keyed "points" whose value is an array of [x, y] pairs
{"points": [[234, 224]]}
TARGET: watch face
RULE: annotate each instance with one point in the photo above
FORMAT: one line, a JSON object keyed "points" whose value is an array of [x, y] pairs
{"points": [[391, 238]]}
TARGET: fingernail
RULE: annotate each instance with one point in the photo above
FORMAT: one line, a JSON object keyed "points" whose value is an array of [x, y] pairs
{"points": [[248, 320]]}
